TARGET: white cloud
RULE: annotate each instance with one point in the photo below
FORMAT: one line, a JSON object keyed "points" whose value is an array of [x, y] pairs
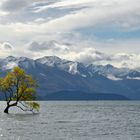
{"points": [[86, 55], [50, 45], [6, 46], [2, 13], [98, 12], [123, 13], [93, 56], [24, 21], [64, 4], [5, 49]]}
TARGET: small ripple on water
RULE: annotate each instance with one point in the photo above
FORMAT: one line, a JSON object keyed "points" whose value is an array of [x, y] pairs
{"points": [[74, 120]]}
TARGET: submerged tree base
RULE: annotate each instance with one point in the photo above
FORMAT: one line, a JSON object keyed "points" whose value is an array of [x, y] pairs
{"points": [[24, 106], [8, 106], [6, 110]]}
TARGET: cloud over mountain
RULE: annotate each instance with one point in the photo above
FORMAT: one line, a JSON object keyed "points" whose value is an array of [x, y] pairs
{"points": [[100, 31], [50, 45], [6, 46], [86, 55]]}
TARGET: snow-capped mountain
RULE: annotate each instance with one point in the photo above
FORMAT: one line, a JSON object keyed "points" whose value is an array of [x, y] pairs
{"points": [[56, 75], [109, 71], [62, 64], [72, 67], [10, 62]]}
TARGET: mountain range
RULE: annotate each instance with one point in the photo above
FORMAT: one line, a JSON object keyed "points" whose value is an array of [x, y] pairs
{"points": [[61, 79]]}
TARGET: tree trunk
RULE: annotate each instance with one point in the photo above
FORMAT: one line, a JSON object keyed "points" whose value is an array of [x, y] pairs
{"points": [[7, 109], [8, 106]]}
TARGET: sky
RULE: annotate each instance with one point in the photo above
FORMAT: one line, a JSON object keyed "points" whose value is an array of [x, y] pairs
{"points": [[88, 31]]}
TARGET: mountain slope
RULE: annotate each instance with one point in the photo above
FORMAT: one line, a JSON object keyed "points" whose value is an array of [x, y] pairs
{"points": [[57, 77]]}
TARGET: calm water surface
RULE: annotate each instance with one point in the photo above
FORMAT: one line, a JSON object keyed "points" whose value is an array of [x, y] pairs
{"points": [[74, 120]]}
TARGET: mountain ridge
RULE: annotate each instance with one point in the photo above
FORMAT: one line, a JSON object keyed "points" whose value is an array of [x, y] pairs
{"points": [[56, 75]]}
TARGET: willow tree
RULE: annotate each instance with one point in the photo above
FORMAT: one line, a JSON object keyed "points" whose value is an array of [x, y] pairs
{"points": [[19, 89]]}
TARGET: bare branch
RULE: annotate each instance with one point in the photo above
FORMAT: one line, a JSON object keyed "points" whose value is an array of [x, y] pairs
{"points": [[24, 105], [26, 109]]}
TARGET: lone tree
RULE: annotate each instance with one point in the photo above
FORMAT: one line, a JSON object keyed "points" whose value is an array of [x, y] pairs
{"points": [[19, 89]]}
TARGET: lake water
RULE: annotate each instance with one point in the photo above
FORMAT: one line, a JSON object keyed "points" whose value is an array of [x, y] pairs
{"points": [[74, 120]]}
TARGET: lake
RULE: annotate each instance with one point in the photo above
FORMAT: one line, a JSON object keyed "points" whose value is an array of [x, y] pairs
{"points": [[73, 120]]}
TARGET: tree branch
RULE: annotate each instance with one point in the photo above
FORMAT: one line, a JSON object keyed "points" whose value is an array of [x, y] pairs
{"points": [[10, 94], [17, 86], [24, 105], [6, 96], [25, 109]]}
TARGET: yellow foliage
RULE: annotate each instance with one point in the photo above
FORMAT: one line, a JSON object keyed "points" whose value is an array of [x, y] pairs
{"points": [[33, 105], [19, 86]]}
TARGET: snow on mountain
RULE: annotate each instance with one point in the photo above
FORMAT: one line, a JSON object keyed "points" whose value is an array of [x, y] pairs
{"points": [[10, 65], [57, 74], [77, 68], [72, 67], [50, 60], [62, 64], [10, 62], [109, 71], [26, 62], [112, 77]]}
